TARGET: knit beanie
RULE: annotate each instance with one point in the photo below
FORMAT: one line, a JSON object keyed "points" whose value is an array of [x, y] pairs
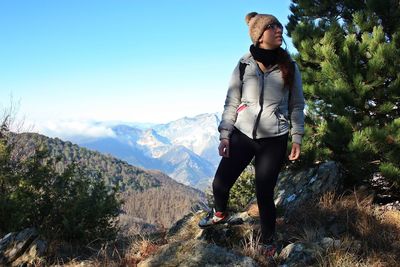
{"points": [[257, 23]]}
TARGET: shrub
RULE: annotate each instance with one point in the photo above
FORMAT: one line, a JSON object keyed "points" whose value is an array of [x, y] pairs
{"points": [[66, 206], [243, 190]]}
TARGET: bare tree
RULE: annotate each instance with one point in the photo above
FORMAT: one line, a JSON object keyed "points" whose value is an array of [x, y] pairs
{"points": [[10, 120]]}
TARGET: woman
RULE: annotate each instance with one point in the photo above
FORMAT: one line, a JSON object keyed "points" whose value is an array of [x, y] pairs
{"points": [[264, 94]]}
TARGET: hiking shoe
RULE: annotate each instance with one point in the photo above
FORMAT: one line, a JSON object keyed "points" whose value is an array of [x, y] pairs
{"points": [[213, 217]]}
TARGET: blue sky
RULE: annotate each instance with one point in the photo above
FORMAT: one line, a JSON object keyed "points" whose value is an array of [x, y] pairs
{"points": [[132, 61]]}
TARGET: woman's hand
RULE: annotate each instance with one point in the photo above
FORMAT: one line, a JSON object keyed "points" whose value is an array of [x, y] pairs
{"points": [[223, 148], [295, 153]]}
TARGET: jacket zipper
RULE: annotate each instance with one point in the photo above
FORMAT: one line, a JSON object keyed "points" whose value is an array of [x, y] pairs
{"points": [[261, 108], [277, 114]]}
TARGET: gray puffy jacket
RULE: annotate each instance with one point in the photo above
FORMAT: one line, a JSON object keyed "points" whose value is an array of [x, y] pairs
{"points": [[259, 106]]}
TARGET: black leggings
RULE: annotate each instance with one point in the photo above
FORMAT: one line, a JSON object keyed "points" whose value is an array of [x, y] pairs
{"points": [[269, 156]]}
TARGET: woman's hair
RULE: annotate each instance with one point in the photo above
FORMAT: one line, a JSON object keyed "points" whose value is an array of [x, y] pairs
{"points": [[286, 66]]}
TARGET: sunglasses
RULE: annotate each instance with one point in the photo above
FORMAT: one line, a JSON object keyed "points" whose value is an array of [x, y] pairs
{"points": [[274, 26]]}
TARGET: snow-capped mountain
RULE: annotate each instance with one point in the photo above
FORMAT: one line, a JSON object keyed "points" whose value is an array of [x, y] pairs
{"points": [[187, 167], [185, 149], [153, 144], [199, 134]]}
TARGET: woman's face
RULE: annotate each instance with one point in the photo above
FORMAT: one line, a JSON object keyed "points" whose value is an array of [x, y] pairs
{"points": [[272, 36]]}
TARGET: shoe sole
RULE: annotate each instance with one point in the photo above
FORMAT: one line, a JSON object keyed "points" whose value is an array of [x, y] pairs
{"points": [[219, 222]]}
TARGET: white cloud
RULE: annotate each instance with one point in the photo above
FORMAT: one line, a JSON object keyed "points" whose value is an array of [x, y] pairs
{"points": [[67, 129]]}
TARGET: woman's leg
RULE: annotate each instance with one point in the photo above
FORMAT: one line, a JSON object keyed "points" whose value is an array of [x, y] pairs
{"points": [[269, 159], [241, 152]]}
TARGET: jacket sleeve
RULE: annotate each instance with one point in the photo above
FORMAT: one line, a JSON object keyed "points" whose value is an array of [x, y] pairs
{"points": [[296, 107], [232, 101]]}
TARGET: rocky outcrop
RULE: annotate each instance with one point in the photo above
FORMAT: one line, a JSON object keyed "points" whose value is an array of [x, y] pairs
{"points": [[188, 245], [196, 253], [22, 249], [232, 243], [295, 188]]}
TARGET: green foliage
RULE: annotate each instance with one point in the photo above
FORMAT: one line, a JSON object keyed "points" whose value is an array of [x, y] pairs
{"points": [[312, 147], [391, 171], [349, 54], [242, 191], [67, 205]]}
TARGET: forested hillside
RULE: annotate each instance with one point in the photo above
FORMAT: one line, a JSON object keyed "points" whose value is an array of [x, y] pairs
{"points": [[151, 198]]}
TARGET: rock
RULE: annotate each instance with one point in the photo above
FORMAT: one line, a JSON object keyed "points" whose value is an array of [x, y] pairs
{"points": [[297, 187], [391, 206], [232, 231], [225, 235], [328, 242], [23, 248], [33, 254], [239, 218], [298, 254], [196, 253], [286, 251]]}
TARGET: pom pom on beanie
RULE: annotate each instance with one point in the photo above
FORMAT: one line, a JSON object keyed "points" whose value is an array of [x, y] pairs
{"points": [[250, 16]]}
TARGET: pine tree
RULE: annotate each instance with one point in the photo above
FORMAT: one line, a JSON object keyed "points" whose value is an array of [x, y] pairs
{"points": [[349, 54]]}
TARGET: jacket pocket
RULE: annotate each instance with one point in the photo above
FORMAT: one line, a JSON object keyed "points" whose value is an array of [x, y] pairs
{"points": [[283, 121], [242, 107], [246, 117]]}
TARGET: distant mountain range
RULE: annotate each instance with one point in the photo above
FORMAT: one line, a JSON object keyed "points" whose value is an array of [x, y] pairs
{"points": [[185, 149]]}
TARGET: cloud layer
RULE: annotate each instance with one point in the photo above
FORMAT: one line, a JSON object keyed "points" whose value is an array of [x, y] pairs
{"points": [[68, 129]]}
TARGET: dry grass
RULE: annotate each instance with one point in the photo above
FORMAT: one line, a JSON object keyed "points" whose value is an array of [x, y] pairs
{"points": [[187, 228], [251, 244], [391, 217], [64, 254], [253, 211], [308, 234], [349, 254], [111, 254], [139, 250], [251, 247], [367, 236]]}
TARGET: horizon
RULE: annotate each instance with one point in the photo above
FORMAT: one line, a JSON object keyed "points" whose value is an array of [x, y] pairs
{"points": [[133, 62], [72, 130]]}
